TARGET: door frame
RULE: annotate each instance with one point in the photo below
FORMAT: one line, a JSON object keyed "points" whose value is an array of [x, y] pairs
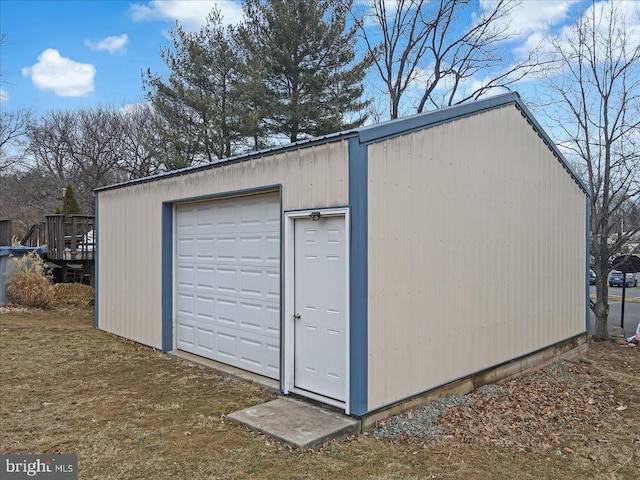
{"points": [[288, 377]]}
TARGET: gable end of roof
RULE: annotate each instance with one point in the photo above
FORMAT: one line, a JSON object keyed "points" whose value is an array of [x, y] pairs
{"points": [[402, 126]]}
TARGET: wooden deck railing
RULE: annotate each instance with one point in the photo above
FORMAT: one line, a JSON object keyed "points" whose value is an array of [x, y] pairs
{"points": [[35, 236], [70, 237], [5, 233]]}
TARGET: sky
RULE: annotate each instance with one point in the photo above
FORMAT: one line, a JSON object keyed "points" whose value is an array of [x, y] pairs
{"points": [[68, 54]]}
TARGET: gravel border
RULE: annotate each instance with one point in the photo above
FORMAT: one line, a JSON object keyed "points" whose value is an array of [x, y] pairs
{"points": [[424, 421], [421, 422]]}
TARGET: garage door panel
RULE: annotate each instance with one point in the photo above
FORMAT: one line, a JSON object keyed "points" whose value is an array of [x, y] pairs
{"points": [[202, 217], [253, 314], [227, 312], [205, 307], [186, 335], [186, 219], [273, 249], [273, 285], [228, 281], [252, 282], [256, 248], [227, 346], [186, 277], [186, 250], [259, 283], [205, 278], [205, 339], [185, 304], [272, 324], [204, 247]]}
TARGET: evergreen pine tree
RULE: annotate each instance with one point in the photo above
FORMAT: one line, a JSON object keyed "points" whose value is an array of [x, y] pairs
{"points": [[199, 102], [70, 204], [301, 55]]}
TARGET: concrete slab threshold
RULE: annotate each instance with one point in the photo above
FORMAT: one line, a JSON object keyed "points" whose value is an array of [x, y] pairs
{"points": [[225, 369], [296, 422]]}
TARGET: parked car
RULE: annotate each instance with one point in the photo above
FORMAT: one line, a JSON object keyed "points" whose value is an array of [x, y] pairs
{"points": [[615, 279], [592, 277]]}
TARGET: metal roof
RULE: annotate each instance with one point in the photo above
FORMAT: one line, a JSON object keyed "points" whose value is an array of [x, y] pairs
{"points": [[382, 131]]}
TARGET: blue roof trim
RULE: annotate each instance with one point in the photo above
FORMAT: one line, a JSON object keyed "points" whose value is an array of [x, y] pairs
{"points": [[401, 126], [551, 144]]}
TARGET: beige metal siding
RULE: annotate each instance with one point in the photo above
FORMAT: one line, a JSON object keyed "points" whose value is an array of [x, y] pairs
{"points": [[476, 252], [130, 226]]}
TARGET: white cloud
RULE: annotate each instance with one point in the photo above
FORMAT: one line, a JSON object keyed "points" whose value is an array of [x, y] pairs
{"points": [[533, 16], [113, 45], [61, 75], [529, 21], [4, 95], [191, 14]]}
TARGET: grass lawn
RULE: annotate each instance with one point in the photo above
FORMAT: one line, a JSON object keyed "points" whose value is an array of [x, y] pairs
{"points": [[129, 411]]}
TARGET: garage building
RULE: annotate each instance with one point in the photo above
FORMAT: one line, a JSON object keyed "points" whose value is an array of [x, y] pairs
{"points": [[362, 269]]}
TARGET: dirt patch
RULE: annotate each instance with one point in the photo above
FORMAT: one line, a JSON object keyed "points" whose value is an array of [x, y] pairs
{"points": [[130, 411]]}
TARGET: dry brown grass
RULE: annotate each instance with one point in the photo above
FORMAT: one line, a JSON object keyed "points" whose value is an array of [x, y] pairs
{"points": [[74, 294], [130, 412], [30, 289], [28, 284]]}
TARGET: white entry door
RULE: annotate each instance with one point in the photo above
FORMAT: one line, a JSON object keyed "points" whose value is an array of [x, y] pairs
{"points": [[320, 306]]}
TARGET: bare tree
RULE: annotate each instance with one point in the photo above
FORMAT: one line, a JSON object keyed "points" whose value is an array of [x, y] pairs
{"points": [[13, 127], [438, 48], [592, 100], [140, 140], [47, 144], [83, 147], [96, 149], [26, 197]]}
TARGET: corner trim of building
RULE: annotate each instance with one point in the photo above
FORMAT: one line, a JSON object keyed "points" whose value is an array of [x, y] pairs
{"points": [[96, 265], [588, 266], [358, 281]]}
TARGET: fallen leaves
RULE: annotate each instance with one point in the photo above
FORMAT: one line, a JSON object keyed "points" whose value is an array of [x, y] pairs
{"points": [[554, 409]]}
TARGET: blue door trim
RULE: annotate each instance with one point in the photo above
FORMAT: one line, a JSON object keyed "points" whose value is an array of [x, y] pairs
{"points": [[167, 253], [167, 276]]}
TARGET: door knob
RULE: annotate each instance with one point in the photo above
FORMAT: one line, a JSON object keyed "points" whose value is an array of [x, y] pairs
{"points": [[296, 316]]}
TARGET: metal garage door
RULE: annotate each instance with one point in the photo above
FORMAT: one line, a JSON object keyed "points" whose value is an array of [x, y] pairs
{"points": [[228, 281]]}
